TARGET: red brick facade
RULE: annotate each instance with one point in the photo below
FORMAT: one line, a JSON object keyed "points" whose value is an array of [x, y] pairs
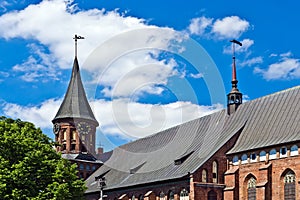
{"points": [[72, 142], [269, 174], [231, 181]]}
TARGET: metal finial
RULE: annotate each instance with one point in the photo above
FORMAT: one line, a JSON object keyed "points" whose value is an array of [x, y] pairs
{"points": [[233, 59], [77, 37]]}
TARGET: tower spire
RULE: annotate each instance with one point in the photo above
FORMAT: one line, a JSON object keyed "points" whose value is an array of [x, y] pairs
{"points": [[75, 123], [234, 98]]}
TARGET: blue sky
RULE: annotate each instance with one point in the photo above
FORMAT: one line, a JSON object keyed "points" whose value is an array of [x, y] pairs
{"points": [[146, 65]]}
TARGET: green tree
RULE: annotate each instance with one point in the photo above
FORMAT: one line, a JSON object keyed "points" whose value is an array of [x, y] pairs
{"points": [[30, 168]]}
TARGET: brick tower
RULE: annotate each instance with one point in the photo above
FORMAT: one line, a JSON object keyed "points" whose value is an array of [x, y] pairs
{"points": [[75, 125]]}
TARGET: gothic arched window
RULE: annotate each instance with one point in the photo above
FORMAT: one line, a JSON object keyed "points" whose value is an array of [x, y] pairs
{"points": [[289, 186], [262, 156], [215, 171], [244, 158], [253, 157], [272, 154], [251, 188], [184, 195], [294, 150], [235, 160], [283, 152], [204, 176]]}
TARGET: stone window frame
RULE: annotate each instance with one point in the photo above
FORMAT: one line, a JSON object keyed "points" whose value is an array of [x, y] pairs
{"points": [[283, 152], [215, 171], [235, 160], [250, 183], [294, 150], [204, 177], [288, 178], [272, 155], [251, 188], [244, 159], [184, 194], [253, 157], [262, 156]]}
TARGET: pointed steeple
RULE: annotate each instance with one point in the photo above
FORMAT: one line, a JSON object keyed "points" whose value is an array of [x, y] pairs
{"points": [[75, 104], [234, 98]]}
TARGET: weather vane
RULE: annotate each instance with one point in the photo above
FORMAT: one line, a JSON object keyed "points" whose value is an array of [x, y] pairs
{"points": [[77, 37], [234, 80], [233, 46]]}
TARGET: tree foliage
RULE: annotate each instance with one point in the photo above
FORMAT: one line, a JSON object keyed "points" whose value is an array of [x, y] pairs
{"points": [[30, 168]]}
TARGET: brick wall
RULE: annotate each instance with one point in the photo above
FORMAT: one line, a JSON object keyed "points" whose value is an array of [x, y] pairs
{"points": [[202, 189], [269, 175]]}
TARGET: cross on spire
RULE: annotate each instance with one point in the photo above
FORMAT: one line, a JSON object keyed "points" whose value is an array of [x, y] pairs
{"points": [[77, 37]]}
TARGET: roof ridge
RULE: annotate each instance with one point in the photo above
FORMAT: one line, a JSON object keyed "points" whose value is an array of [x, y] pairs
{"points": [[275, 93]]}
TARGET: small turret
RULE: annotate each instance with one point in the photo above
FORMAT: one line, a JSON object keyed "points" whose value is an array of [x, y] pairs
{"points": [[234, 98]]}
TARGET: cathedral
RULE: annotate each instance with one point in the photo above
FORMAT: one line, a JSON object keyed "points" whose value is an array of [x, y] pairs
{"points": [[248, 151]]}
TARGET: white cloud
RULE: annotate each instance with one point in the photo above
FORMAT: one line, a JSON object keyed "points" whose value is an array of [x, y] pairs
{"points": [[246, 44], [199, 25], [286, 68], [136, 120], [102, 30], [273, 55], [41, 115], [118, 117], [136, 75], [56, 30], [252, 61], [230, 27], [38, 67], [287, 54], [196, 76], [246, 98], [245, 48]]}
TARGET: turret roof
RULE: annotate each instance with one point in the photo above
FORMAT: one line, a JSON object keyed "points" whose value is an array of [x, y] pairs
{"points": [[75, 104]]}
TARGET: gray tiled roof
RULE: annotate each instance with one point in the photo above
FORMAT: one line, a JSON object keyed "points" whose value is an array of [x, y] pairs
{"points": [[75, 103], [153, 158], [83, 157], [274, 119], [266, 121]]}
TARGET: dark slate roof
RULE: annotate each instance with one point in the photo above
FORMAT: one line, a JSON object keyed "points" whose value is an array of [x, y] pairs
{"points": [[75, 103], [153, 158], [84, 157], [273, 120], [266, 121]]}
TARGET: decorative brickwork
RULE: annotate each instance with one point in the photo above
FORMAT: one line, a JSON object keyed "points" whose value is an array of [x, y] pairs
{"points": [[273, 177]]}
